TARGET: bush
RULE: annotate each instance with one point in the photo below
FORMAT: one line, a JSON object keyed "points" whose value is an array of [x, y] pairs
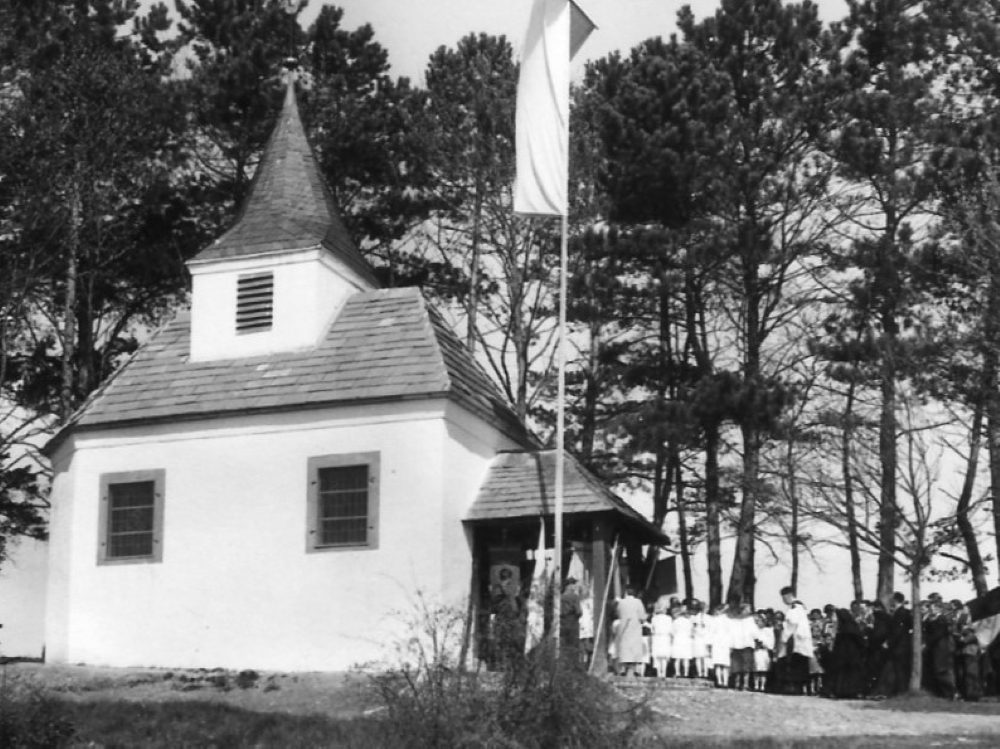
{"points": [[428, 699], [30, 720]]}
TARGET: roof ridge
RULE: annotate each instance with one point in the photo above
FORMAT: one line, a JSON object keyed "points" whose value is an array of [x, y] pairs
{"points": [[426, 314]]}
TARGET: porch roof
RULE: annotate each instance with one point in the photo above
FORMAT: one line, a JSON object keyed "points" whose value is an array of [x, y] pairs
{"points": [[521, 484]]}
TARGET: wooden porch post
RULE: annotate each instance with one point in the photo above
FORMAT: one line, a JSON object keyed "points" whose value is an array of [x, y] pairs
{"points": [[600, 554], [471, 631]]}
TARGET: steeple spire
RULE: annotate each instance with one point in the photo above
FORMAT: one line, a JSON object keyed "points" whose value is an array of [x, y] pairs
{"points": [[289, 206]]}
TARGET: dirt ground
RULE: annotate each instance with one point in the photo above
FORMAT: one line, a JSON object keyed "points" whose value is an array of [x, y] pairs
{"points": [[680, 712], [724, 713]]}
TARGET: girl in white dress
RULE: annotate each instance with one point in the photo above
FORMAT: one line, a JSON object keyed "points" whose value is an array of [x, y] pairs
{"points": [[663, 631], [764, 644], [699, 638], [682, 646], [720, 641], [744, 634]]}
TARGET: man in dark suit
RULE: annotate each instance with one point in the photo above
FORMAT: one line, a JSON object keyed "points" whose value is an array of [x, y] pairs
{"points": [[900, 643], [940, 652]]}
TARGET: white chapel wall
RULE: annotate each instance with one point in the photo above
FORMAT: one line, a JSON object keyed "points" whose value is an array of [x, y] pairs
{"points": [[236, 588], [22, 599], [471, 447]]}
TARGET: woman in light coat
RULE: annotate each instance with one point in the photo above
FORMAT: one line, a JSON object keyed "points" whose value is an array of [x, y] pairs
{"points": [[628, 638]]}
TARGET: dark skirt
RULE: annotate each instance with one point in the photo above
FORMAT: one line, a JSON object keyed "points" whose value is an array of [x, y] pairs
{"points": [[790, 674], [741, 661], [972, 682], [846, 678], [942, 668]]}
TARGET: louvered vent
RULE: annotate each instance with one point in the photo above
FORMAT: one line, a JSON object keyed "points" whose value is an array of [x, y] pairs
{"points": [[254, 302]]}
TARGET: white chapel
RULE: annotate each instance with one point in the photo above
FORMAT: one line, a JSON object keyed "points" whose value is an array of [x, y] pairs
{"points": [[281, 469]]}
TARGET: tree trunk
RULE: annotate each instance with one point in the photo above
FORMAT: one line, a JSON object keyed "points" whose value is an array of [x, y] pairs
{"points": [[661, 497], [917, 664], [591, 395], [888, 428], [741, 579], [473, 304], [793, 497], [852, 519], [976, 567], [713, 531], [682, 531], [67, 395], [697, 343], [888, 289], [993, 440], [520, 342], [991, 367], [86, 354]]}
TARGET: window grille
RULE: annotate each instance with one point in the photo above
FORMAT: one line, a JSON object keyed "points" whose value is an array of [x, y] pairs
{"points": [[343, 502], [254, 302], [130, 519], [343, 505]]}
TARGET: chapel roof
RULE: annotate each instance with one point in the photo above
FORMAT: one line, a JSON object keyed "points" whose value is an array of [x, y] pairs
{"points": [[385, 345], [520, 484], [289, 206]]}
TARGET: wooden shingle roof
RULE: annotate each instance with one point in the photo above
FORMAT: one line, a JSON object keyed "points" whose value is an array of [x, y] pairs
{"points": [[521, 485], [386, 345], [289, 206]]}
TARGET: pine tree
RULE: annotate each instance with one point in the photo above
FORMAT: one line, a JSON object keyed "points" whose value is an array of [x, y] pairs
{"points": [[883, 96]]}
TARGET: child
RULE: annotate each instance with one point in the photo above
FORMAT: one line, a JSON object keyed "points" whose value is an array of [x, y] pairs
{"points": [[744, 634], [816, 628], [719, 638], [681, 648], [763, 644], [663, 631], [699, 638]]}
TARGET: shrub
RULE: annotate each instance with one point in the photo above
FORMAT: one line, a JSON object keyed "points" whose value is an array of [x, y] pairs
{"points": [[427, 698], [247, 679]]}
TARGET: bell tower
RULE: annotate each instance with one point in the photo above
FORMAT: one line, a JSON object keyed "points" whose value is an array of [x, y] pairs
{"points": [[275, 280]]}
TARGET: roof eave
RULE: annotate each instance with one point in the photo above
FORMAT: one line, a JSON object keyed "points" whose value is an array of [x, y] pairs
{"points": [[50, 447], [214, 260], [647, 533]]}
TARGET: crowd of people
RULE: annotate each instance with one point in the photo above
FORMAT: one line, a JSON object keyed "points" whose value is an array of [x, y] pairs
{"points": [[862, 651]]}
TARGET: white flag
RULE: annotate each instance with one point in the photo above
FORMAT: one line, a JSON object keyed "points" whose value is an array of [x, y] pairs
{"points": [[534, 628], [556, 30]]}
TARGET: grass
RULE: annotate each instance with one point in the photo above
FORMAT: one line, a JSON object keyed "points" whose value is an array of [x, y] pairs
{"points": [[126, 724], [837, 742], [114, 724], [42, 713]]}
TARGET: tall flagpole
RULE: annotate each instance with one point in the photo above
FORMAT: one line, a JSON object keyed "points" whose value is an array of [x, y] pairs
{"points": [[560, 427], [556, 30]]}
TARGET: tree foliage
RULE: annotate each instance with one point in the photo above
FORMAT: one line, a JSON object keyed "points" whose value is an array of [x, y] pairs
{"points": [[783, 238], [366, 127]]}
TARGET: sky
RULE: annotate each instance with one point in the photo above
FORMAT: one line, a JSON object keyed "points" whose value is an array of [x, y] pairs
{"points": [[410, 30]]}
